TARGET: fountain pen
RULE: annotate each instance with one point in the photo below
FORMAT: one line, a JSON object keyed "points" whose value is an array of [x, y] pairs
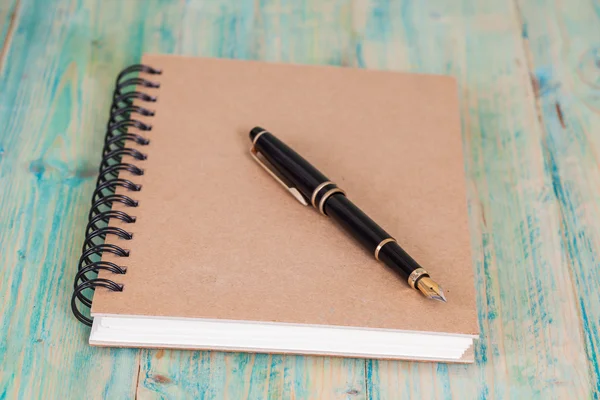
{"points": [[307, 184]]}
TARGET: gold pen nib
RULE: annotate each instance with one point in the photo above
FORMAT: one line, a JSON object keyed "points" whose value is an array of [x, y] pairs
{"points": [[431, 289]]}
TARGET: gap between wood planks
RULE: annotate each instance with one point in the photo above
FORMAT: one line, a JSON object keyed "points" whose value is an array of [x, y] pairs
{"points": [[9, 33], [367, 394], [139, 371]]}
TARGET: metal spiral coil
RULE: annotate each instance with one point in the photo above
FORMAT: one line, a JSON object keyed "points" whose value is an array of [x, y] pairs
{"points": [[122, 112]]}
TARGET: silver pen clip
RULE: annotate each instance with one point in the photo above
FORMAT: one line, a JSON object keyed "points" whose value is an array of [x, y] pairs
{"points": [[293, 191]]}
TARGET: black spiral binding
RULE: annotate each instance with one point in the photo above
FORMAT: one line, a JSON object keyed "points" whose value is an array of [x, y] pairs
{"points": [[122, 113]]}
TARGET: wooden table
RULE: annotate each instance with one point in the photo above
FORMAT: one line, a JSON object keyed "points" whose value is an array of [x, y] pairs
{"points": [[529, 72]]}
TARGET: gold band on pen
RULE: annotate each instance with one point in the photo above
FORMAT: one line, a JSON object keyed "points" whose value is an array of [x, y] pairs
{"points": [[415, 275], [380, 246], [327, 195], [259, 134], [316, 192]]}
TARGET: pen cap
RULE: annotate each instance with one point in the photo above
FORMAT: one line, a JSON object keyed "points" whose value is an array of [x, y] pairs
{"points": [[295, 170]]}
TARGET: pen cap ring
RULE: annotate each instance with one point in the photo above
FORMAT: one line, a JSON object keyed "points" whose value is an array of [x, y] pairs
{"points": [[326, 196], [255, 134], [322, 186]]}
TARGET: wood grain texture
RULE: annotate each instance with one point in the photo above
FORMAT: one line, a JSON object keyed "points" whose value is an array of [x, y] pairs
{"points": [[531, 336], [216, 375], [53, 106], [564, 53], [530, 152]]}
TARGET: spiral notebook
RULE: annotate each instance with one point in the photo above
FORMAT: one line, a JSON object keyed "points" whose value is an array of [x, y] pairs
{"points": [[196, 247]]}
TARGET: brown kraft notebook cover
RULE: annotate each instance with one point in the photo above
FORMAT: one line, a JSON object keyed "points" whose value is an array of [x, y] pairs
{"points": [[216, 237]]}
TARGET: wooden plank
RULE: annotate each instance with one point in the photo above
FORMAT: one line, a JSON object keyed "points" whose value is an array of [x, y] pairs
{"points": [[53, 104], [301, 32], [531, 338], [217, 375], [564, 53], [56, 84]]}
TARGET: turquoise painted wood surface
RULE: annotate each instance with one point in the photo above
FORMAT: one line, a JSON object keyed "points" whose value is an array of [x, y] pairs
{"points": [[529, 73], [564, 49]]}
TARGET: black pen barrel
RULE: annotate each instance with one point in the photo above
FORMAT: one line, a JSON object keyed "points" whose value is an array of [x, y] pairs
{"points": [[369, 234]]}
